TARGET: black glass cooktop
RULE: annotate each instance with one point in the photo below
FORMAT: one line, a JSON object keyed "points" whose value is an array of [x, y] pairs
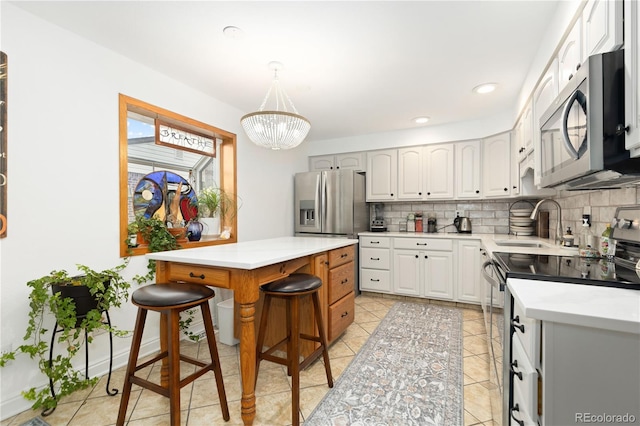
{"points": [[569, 269]]}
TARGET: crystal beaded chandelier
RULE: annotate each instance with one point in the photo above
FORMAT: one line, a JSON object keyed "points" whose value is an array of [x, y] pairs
{"points": [[278, 128]]}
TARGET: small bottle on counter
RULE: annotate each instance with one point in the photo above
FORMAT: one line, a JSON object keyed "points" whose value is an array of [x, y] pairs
{"points": [[419, 222], [607, 244], [411, 223], [567, 239]]}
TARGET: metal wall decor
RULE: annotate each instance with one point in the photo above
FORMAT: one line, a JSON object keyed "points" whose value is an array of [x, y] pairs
{"points": [[3, 145]]}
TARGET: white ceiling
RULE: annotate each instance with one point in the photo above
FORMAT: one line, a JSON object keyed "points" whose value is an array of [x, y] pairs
{"points": [[351, 68]]}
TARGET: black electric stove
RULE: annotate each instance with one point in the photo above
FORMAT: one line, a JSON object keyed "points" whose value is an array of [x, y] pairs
{"points": [[620, 271]]}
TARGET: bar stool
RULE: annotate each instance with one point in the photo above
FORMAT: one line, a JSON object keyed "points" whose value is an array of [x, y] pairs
{"points": [[292, 289], [171, 299]]}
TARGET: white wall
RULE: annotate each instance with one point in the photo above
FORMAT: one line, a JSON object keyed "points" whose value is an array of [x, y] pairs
{"points": [[63, 173]]}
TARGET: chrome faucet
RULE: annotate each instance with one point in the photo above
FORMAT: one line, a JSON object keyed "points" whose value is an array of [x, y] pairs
{"points": [[559, 231]]}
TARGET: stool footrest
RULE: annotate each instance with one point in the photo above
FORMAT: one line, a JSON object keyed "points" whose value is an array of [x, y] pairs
{"points": [[312, 357], [149, 385], [152, 360]]}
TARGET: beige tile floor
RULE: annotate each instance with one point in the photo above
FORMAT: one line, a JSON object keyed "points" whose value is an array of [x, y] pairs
{"points": [[199, 400]]}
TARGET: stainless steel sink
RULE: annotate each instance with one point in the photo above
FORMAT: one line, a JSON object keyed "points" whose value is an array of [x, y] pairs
{"points": [[514, 243]]}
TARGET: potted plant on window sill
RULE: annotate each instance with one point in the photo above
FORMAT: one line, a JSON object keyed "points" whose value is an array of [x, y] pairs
{"points": [[61, 298], [216, 206]]}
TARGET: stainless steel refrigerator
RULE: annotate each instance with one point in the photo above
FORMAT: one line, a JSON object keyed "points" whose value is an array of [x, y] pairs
{"points": [[330, 203]]}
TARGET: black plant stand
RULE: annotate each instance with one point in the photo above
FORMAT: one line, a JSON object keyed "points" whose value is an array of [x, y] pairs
{"points": [[110, 392]]}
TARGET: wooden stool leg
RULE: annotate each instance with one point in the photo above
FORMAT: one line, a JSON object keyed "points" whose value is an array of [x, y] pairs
{"points": [[262, 331], [215, 359], [173, 330], [294, 358], [131, 367], [323, 338]]}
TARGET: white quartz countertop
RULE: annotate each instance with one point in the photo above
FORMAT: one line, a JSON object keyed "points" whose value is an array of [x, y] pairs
{"points": [[491, 242], [253, 254], [584, 305]]}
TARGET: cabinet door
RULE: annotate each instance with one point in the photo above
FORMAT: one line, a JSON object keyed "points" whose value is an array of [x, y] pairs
{"points": [[319, 163], [467, 170], [410, 173], [543, 96], [351, 161], [406, 272], [438, 171], [496, 170], [527, 131], [515, 163], [632, 75], [570, 55], [438, 272], [382, 175], [468, 257], [603, 26]]}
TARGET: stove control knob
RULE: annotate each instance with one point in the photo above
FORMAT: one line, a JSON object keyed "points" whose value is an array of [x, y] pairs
{"points": [[614, 222], [625, 223]]}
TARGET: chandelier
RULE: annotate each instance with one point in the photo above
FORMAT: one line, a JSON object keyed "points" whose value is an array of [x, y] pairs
{"points": [[277, 128]]}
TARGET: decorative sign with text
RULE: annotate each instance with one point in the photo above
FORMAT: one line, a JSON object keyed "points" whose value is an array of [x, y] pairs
{"points": [[3, 145], [187, 140]]}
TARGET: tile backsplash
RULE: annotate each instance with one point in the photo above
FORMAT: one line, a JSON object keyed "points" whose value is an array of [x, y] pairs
{"points": [[487, 217], [492, 216]]}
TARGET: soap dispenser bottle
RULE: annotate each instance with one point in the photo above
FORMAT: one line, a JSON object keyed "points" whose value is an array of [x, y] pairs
{"points": [[587, 246]]}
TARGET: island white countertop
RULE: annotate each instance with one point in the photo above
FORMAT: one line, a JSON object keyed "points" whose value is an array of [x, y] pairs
{"points": [[253, 254], [584, 305]]}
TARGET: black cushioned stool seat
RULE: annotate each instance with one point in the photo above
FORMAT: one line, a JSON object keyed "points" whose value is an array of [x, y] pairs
{"points": [[292, 289], [170, 299]]}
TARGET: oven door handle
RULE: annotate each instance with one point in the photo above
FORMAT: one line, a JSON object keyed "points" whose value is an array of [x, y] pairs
{"points": [[487, 276]]}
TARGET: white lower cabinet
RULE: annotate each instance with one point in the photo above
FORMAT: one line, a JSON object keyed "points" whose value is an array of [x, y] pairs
{"points": [[566, 374], [375, 264], [468, 267], [421, 267]]}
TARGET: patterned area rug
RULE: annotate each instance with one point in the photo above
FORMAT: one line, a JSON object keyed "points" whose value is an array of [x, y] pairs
{"points": [[408, 372]]}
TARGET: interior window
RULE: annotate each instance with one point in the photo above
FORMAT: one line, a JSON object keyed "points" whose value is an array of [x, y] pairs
{"points": [[156, 140]]}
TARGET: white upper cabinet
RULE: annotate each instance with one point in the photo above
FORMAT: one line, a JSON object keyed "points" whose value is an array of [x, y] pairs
{"points": [[570, 55], [410, 179], [438, 171], [632, 75], [496, 166], [603, 26], [543, 96], [382, 175], [350, 161], [467, 170], [515, 163], [523, 135]]}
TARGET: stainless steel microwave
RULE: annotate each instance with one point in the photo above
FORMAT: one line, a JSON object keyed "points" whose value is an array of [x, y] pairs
{"points": [[583, 132]]}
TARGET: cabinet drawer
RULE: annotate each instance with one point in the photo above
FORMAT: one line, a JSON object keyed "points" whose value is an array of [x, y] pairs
{"points": [[423, 244], [380, 242], [517, 413], [526, 330], [341, 314], [524, 379], [375, 258], [375, 280], [198, 274], [341, 282], [341, 256]]}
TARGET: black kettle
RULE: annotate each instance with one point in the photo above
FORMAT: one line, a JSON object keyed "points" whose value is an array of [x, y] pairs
{"points": [[462, 224]]}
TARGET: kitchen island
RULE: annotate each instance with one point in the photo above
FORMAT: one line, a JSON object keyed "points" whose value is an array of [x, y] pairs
{"points": [[243, 267]]}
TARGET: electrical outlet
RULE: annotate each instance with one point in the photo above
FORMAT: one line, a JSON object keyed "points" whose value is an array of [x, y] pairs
{"points": [[458, 213]]}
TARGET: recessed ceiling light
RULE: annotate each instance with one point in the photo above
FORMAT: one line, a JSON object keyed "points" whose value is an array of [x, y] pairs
{"points": [[420, 120], [485, 88], [232, 32]]}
